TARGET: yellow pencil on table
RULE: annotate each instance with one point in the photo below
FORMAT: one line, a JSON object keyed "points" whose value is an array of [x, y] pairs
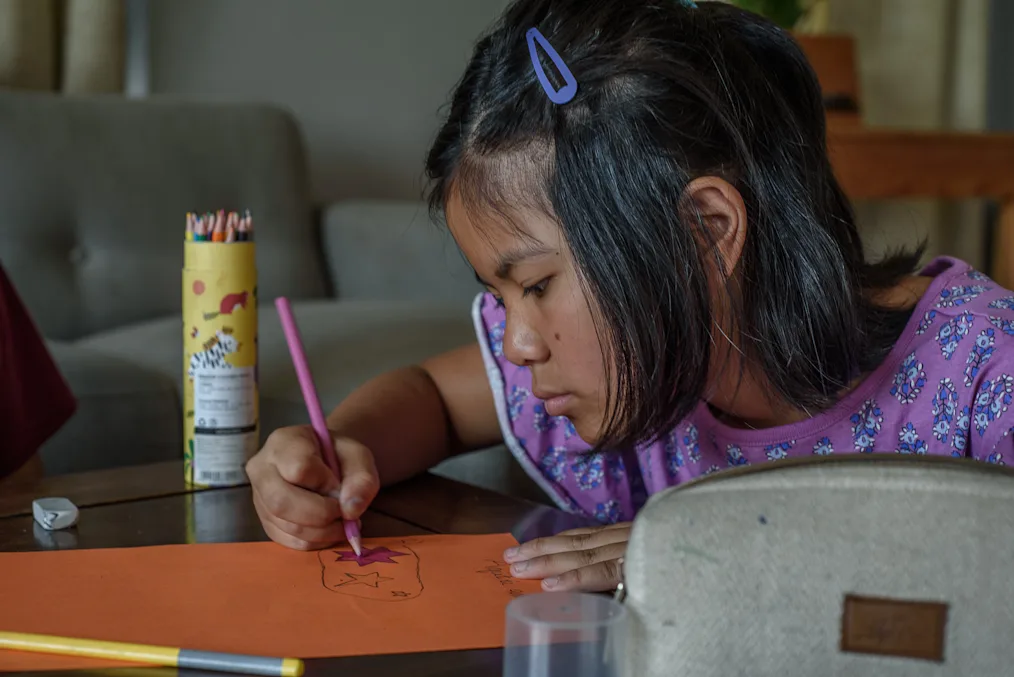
{"points": [[153, 655]]}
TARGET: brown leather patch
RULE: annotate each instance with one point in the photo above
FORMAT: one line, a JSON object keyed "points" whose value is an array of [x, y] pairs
{"points": [[892, 627]]}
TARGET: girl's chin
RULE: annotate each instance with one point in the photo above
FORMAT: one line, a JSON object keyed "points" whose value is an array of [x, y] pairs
{"points": [[588, 434]]}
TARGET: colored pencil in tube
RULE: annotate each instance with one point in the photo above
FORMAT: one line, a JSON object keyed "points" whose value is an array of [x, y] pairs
{"points": [[306, 384], [207, 226], [241, 229], [231, 222], [218, 235], [152, 655], [189, 234], [199, 229]]}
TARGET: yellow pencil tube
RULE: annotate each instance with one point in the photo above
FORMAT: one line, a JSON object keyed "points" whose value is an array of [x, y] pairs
{"points": [[220, 392], [152, 655]]}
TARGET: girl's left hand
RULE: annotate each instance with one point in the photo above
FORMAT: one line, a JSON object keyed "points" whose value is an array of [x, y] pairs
{"points": [[580, 559]]}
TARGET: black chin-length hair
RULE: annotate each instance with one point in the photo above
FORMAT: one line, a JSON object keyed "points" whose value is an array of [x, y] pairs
{"points": [[666, 94]]}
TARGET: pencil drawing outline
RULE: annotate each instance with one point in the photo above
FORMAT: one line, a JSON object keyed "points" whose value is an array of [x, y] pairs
{"points": [[353, 582]]}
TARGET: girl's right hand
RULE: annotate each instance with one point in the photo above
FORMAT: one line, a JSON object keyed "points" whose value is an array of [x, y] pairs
{"points": [[300, 502]]}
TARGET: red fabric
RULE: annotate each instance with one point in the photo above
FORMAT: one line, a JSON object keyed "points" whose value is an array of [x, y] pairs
{"points": [[35, 400]]}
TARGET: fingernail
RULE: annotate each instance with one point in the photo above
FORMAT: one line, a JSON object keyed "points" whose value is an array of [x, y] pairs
{"points": [[550, 582], [352, 506], [511, 553], [518, 568]]}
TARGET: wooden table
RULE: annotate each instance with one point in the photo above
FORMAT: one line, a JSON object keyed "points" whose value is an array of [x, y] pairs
{"points": [[149, 505]]}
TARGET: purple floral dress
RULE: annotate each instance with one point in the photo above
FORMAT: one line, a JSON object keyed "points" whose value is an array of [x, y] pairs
{"points": [[946, 389]]}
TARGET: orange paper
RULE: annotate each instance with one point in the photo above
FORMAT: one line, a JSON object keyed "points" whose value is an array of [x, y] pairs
{"points": [[413, 594]]}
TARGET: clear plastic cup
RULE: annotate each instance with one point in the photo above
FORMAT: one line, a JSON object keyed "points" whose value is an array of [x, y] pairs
{"points": [[558, 634]]}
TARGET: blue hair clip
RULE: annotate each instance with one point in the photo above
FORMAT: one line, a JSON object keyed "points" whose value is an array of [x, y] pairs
{"points": [[689, 4], [565, 93]]}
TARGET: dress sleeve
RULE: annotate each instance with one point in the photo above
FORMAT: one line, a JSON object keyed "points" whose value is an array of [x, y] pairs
{"points": [[35, 400]]}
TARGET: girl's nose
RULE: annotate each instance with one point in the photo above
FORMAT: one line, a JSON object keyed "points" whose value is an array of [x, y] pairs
{"points": [[522, 344]]}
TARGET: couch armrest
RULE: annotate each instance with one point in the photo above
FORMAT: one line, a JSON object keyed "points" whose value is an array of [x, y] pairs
{"points": [[391, 250]]}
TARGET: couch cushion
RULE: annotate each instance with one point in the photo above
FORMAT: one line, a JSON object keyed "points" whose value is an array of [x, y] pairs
{"points": [[420, 259], [127, 414], [347, 343], [95, 190]]}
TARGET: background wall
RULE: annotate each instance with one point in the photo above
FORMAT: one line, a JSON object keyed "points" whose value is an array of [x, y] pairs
{"points": [[923, 65], [365, 77], [1000, 115]]}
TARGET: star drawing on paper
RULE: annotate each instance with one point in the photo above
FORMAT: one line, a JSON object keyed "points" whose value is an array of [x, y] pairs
{"points": [[372, 579], [369, 556], [379, 574]]}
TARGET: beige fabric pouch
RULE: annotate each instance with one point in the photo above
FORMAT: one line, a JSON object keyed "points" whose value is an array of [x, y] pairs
{"points": [[856, 565]]}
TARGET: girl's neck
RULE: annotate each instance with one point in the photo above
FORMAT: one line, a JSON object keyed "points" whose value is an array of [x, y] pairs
{"points": [[749, 407]]}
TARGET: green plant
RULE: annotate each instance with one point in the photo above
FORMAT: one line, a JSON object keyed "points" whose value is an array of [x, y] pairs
{"points": [[785, 13]]}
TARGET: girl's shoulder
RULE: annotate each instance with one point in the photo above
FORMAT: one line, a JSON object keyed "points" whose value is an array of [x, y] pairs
{"points": [[962, 304], [962, 353], [947, 388]]}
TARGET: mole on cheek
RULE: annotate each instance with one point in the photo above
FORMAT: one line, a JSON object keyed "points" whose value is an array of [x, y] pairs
{"points": [[556, 336]]}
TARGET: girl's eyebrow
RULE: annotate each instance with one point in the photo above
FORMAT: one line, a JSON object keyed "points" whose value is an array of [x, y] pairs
{"points": [[511, 257]]}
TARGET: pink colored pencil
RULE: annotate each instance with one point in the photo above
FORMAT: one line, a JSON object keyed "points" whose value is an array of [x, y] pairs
{"points": [[313, 404]]}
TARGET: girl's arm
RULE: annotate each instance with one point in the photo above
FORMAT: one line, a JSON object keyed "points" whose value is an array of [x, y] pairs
{"points": [[395, 426], [413, 418]]}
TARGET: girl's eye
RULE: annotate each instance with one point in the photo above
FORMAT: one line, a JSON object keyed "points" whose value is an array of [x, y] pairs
{"points": [[538, 289]]}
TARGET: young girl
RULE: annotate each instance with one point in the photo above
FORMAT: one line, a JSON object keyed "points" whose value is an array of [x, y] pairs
{"points": [[676, 286]]}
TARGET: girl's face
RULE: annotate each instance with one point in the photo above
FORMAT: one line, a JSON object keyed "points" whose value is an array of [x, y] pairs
{"points": [[550, 330]]}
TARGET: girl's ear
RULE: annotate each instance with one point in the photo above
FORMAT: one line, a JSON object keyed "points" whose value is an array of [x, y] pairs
{"points": [[723, 212]]}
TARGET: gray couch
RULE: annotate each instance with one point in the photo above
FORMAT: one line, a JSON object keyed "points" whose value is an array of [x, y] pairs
{"points": [[93, 193]]}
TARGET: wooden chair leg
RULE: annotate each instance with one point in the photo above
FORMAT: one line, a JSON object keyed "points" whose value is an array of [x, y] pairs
{"points": [[1003, 246]]}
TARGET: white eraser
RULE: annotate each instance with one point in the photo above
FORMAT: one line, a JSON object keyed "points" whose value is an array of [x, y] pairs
{"points": [[54, 513]]}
